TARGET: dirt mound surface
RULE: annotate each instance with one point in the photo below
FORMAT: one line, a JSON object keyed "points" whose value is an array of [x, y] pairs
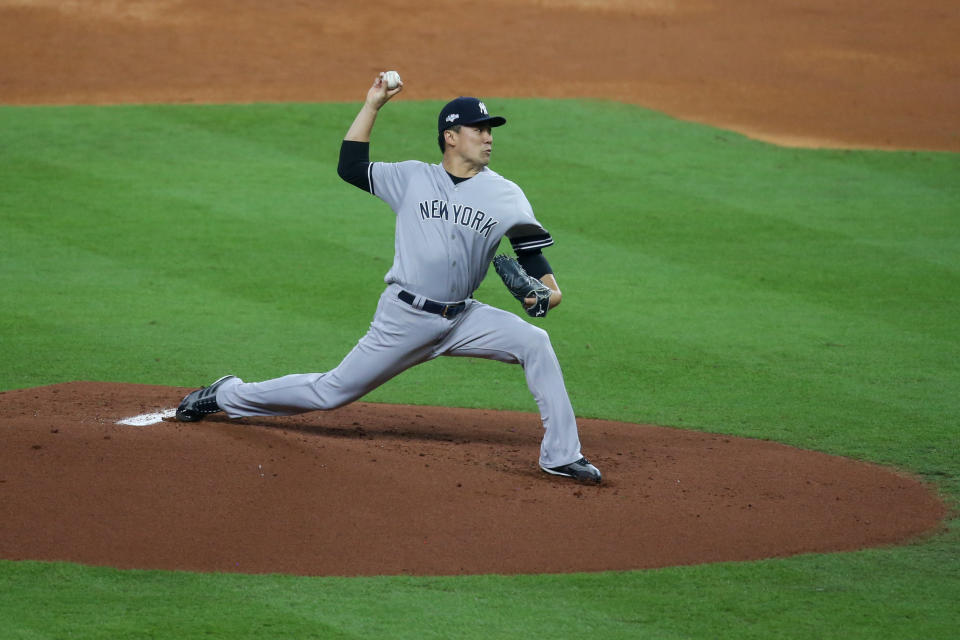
{"points": [[375, 489]]}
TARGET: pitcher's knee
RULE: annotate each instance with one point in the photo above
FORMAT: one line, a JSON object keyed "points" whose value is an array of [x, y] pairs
{"points": [[537, 340], [329, 391], [323, 395]]}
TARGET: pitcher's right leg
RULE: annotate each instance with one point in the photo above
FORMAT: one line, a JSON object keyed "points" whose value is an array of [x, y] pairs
{"points": [[398, 339]]}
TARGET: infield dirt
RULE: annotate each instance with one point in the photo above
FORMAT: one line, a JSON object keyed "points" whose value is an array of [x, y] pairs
{"points": [[848, 73]]}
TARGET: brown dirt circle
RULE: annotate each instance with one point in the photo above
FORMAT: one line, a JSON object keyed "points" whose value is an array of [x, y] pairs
{"points": [[375, 489]]}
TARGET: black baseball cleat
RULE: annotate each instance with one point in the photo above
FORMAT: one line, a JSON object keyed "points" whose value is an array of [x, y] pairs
{"points": [[201, 402], [580, 470]]}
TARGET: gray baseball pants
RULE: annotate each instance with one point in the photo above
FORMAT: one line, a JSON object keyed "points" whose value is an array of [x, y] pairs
{"points": [[400, 337]]}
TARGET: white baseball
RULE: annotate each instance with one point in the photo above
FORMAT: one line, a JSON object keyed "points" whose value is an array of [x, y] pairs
{"points": [[392, 78]]}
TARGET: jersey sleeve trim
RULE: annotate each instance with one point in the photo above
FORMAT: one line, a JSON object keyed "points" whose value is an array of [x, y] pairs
{"points": [[532, 243]]}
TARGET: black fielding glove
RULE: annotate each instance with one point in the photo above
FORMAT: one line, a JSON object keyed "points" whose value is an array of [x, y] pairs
{"points": [[522, 286]]}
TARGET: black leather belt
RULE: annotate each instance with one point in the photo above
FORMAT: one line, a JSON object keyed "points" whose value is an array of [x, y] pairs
{"points": [[448, 311]]}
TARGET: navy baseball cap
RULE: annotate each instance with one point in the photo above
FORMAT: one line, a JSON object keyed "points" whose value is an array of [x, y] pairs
{"points": [[465, 110]]}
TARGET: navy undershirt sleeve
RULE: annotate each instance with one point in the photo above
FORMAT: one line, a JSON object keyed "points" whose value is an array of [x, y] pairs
{"points": [[534, 263], [354, 161]]}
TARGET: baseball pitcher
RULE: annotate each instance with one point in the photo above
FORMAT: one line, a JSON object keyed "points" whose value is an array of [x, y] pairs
{"points": [[450, 219]]}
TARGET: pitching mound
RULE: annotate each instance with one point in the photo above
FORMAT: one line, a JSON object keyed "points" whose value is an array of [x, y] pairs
{"points": [[381, 489]]}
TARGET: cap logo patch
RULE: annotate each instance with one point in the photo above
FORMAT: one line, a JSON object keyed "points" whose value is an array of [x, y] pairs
{"points": [[453, 116], [483, 108]]}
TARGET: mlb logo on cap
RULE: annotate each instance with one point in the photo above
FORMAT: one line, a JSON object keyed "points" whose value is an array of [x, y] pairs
{"points": [[466, 110]]}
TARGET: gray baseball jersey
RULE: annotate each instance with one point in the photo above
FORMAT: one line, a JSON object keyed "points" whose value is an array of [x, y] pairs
{"points": [[465, 220], [446, 235]]}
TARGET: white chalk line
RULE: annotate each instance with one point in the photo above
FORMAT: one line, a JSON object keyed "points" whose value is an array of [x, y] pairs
{"points": [[146, 419]]}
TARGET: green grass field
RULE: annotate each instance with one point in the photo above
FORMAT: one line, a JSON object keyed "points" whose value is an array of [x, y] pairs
{"points": [[710, 282]]}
